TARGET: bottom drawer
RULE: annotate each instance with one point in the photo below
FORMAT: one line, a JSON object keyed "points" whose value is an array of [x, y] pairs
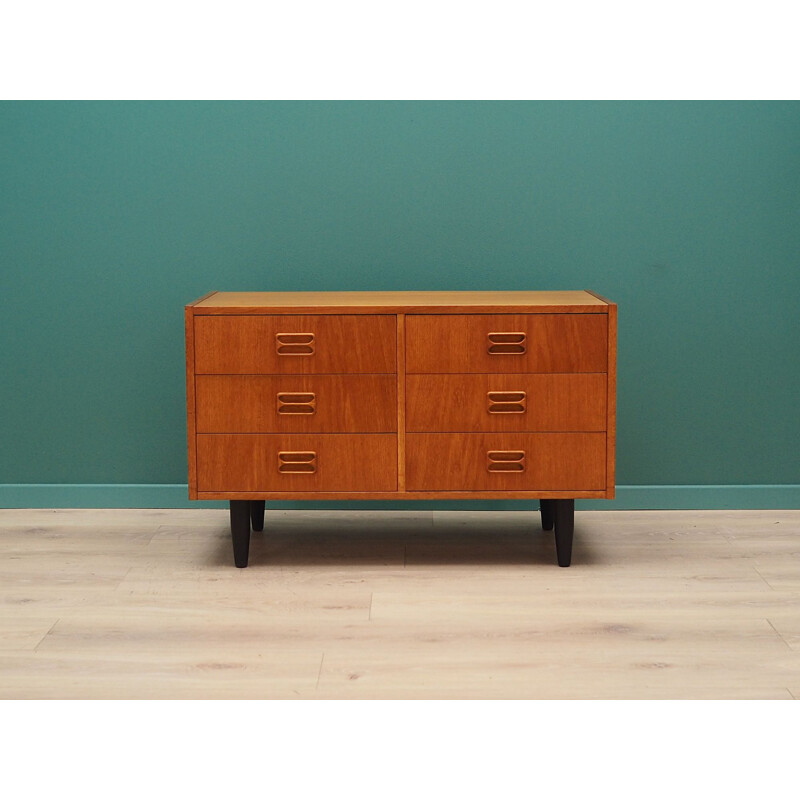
{"points": [[333, 462], [505, 461]]}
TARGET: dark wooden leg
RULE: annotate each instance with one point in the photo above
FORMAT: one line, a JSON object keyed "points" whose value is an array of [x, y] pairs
{"points": [[546, 507], [257, 514], [564, 525], [240, 531]]}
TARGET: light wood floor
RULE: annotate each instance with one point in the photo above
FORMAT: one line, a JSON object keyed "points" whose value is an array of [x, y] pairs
{"points": [[341, 604]]}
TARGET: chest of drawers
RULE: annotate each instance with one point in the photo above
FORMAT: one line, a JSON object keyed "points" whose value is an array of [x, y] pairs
{"points": [[392, 395]]}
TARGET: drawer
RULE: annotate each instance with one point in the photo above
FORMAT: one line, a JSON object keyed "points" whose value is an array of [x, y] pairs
{"points": [[519, 402], [505, 462], [296, 403], [506, 343], [297, 462], [295, 344]]}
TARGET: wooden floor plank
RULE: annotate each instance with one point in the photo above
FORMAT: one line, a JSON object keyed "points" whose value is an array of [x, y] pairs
{"points": [[146, 604], [24, 633], [282, 675], [787, 626]]}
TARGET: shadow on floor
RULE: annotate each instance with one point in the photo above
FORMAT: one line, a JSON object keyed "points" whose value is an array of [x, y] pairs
{"points": [[403, 540]]}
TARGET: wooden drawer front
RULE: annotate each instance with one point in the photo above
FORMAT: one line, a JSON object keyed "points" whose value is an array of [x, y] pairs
{"points": [[506, 343], [296, 403], [294, 344], [297, 462], [521, 402], [505, 461]]}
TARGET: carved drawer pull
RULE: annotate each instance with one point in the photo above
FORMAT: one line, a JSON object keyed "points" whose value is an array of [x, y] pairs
{"points": [[294, 344], [506, 343], [297, 461], [505, 460], [297, 403], [506, 402]]}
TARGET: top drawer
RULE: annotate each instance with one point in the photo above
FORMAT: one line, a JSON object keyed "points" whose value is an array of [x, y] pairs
{"points": [[295, 344], [506, 343]]}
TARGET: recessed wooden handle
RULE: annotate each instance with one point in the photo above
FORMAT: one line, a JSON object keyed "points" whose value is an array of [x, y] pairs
{"points": [[294, 344], [297, 461], [506, 402], [506, 343], [297, 403], [505, 460]]}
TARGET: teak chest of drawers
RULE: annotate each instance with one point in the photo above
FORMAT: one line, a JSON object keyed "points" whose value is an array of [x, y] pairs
{"points": [[387, 395]]}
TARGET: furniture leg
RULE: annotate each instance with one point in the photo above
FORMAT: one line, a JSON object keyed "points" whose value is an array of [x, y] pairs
{"points": [[257, 514], [240, 531], [547, 508], [564, 525]]}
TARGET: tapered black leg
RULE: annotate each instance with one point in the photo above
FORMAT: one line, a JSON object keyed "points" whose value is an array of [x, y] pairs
{"points": [[240, 531], [257, 514], [564, 525], [546, 507]]}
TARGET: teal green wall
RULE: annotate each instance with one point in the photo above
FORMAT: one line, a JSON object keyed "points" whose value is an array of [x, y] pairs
{"points": [[114, 215]]}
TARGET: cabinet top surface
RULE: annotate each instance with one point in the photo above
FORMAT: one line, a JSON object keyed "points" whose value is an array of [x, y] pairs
{"points": [[231, 302]]}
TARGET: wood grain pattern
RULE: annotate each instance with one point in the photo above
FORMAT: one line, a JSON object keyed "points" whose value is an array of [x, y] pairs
{"points": [[191, 428], [344, 462], [458, 461], [555, 402], [345, 343], [611, 425], [458, 343], [190, 393], [143, 603], [396, 302], [343, 403], [401, 402], [570, 346], [553, 494]]}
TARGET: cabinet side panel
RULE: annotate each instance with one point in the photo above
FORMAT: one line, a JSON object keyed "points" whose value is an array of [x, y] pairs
{"points": [[401, 402], [190, 403], [611, 426]]}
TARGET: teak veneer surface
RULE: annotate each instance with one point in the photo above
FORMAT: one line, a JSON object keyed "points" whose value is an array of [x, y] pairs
{"points": [[345, 462], [343, 343], [342, 403], [553, 461], [357, 302], [401, 402], [385, 363], [553, 342], [455, 402], [191, 426], [611, 425], [471, 494]]}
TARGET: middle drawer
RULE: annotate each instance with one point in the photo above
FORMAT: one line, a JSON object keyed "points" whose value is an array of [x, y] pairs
{"points": [[517, 402], [296, 403]]}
